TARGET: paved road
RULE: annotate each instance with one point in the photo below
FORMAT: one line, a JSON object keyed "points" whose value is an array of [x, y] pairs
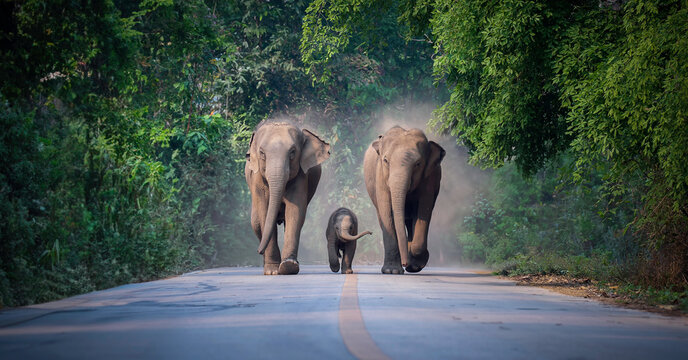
{"points": [[237, 313]]}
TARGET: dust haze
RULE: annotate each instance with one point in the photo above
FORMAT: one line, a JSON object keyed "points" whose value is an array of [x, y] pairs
{"points": [[460, 183]]}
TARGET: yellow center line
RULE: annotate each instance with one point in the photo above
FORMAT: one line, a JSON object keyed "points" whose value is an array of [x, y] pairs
{"points": [[351, 325]]}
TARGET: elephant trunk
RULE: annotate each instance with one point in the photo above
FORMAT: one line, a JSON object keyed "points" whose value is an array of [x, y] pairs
{"points": [[344, 235], [398, 190], [277, 180]]}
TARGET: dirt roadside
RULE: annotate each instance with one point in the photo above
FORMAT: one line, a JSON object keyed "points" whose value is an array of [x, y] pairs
{"points": [[589, 289]]}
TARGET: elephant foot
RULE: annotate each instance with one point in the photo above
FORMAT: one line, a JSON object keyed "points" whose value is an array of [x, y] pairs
{"points": [[271, 269], [417, 263], [392, 269], [347, 271], [334, 267], [289, 267], [414, 268]]}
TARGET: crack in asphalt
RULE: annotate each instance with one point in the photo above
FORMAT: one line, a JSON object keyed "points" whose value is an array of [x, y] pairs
{"points": [[39, 316], [214, 307]]}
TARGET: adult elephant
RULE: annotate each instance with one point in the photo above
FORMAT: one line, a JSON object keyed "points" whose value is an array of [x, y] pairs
{"points": [[402, 174], [282, 172]]}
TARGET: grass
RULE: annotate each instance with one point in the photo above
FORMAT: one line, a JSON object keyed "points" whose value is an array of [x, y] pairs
{"points": [[609, 277]]}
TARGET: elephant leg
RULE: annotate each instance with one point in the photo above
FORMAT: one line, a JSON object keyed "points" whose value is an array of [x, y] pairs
{"points": [[294, 216], [410, 224], [418, 248], [392, 261], [271, 258], [348, 258], [333, 252]]}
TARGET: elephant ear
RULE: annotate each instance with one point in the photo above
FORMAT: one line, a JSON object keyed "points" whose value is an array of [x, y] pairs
{"points": [[376, 144], [314, 151], [251, 158], [436, 155]]}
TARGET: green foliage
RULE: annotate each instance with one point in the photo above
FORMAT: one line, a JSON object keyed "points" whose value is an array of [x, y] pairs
{"points": [[543, 217], [666, 296], [124, 128], [599, 265], [496, 59], [615, 82], [360, 46], [328, 31], [626, 100]]}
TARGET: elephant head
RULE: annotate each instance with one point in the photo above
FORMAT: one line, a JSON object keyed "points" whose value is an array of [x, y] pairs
{"points": [[406, 159], [278, 152]]}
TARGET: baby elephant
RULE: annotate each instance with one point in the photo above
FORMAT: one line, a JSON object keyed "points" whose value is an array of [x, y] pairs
{"points": [[341, 236]]}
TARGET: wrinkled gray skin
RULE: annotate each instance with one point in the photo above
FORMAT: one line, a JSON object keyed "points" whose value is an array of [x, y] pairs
{"points": [[282, 172], [402, 174], [341, 234]]}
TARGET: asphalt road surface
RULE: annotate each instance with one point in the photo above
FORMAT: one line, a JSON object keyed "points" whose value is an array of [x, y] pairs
{"points": [[237, 313]]}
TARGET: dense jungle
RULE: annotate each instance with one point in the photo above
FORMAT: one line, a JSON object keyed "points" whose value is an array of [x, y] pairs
{"points": [[124, 127]]}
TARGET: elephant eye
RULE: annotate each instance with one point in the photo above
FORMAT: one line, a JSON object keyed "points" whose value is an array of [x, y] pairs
{"points": [[292, 154], [418, 164], [262, 155], [385, 160]]}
